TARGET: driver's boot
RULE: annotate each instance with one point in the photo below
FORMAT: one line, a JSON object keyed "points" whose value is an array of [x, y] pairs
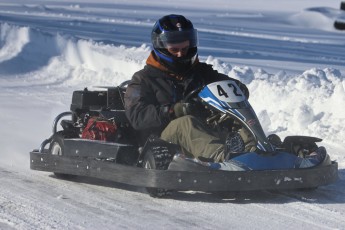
{"points": [[233, 144]]}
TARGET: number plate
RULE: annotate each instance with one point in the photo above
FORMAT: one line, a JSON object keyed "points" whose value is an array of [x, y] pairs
{"points": [[227, 91]]}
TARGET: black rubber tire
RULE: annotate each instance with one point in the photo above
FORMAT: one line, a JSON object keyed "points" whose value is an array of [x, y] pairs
{"points": [[57, 147], [157, 158]]}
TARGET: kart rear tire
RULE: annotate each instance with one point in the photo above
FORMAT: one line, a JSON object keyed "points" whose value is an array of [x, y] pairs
{"points": [[57, 147], [157, 159], [64, 176]]}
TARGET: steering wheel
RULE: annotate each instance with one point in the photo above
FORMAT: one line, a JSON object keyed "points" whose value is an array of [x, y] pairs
{"points": [[124, 84], [192, 94]]}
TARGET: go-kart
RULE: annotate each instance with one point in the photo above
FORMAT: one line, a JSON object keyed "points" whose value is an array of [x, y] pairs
{"points": [[98, 141]]}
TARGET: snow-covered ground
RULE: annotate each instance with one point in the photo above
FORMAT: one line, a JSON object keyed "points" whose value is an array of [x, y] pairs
{"points": [[286, 51]]}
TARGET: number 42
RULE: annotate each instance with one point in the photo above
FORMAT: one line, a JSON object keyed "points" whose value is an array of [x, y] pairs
{"points": [[222, 92]]}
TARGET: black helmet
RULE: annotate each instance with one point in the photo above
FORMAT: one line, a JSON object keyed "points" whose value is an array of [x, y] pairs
{"points": [[172, 29]]}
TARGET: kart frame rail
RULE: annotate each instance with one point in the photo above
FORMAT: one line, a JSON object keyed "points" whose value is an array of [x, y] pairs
{"points": [[208, 180]]}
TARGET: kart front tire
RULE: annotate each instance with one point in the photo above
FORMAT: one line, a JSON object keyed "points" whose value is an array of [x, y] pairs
{"points": [[154, 160]]}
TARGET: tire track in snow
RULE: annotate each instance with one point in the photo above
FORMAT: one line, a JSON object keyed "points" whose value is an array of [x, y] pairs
{"points": [[308, 212], [25, 208]]}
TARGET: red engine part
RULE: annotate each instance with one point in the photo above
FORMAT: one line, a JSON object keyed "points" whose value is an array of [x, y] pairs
{"points": [[99, 129]]}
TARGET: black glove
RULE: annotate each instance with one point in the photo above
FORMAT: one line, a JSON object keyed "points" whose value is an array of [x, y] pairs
{"points": [[171, 112], [181, 109]]}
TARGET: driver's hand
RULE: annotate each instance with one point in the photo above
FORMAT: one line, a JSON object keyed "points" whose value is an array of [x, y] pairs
{"points": [[181, 109]]}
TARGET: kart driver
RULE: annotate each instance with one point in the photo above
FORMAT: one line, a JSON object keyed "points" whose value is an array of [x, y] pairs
{"points": [[154, 97]]}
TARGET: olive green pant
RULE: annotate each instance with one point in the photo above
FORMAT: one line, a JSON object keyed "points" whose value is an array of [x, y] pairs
{"points": [[195, 139]]}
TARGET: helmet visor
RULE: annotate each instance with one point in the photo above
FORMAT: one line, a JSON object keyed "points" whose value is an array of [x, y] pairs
{"points": [[173, 37]]}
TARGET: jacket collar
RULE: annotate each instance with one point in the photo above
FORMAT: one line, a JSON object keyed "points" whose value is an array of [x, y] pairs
{"points": [[152, 61]]}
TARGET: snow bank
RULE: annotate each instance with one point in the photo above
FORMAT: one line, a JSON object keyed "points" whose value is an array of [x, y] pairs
{"points": [[312, 19], [61, 60], [317, 17], [12, 41]]}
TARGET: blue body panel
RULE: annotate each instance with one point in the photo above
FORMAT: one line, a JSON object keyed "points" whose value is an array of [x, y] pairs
{"points": [[280, 160]]}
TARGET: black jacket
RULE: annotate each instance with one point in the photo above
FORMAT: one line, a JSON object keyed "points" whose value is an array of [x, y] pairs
{"points": [[153, 90]]}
